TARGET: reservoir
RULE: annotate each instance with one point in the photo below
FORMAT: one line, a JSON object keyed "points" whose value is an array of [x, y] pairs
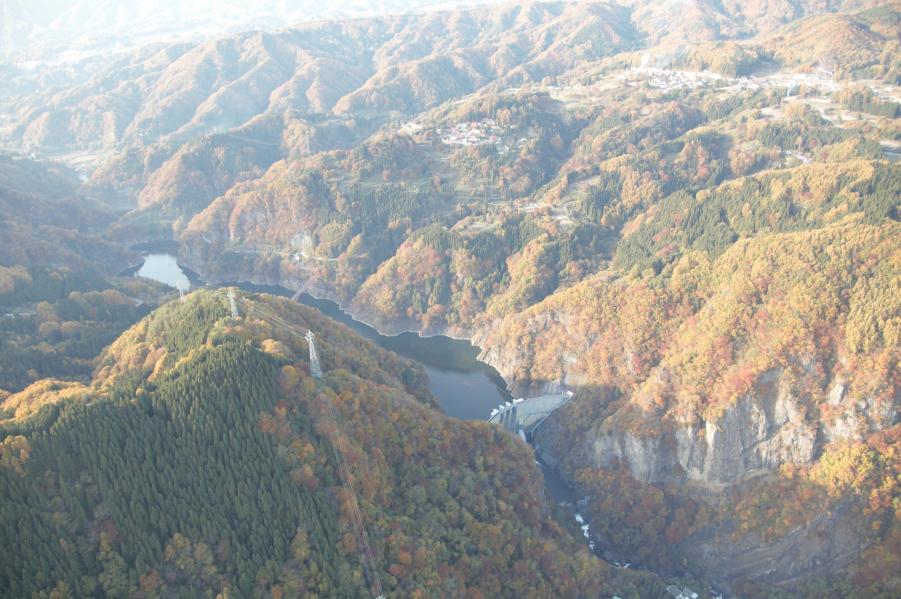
{"points": [[164, 268], [465, 387]]}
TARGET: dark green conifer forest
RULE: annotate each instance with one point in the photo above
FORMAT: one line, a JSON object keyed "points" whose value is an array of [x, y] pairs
{"points": [[210, 470]]}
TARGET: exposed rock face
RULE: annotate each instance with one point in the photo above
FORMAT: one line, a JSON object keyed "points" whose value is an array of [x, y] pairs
{"points": [[857, 416], [695, 401], [761, 431], [827, 543], [757, 433], [643, 456], [515, 363]]}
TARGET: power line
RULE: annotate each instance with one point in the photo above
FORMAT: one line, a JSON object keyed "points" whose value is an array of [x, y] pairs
{"points": [[369, 566], [231, 303], [258, 311]]}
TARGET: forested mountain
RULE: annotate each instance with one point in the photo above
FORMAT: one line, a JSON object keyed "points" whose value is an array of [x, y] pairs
{"points": [[686, 213], [404, 63], [709, 19], [60, 299], [595, 240], [400, 64], [43, 223], [201, 460], [778, 355], [51, 31]]}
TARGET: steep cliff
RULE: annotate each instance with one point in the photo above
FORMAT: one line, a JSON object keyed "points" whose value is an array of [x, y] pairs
{"points": [[735, 390], [202, 458]]}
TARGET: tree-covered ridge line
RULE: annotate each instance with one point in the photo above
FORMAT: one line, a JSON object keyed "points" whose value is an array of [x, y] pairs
{"points": [[409, 63], [681, 258], [827, 290], [197, 462], [57, 321], [622, 203], [687, 213], [45, 223], [773, 201], [60, 299], [586, 176], [804, 323]]}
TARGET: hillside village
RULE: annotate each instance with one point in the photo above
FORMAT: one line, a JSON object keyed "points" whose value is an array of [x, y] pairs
{"points": [[484, 132]]}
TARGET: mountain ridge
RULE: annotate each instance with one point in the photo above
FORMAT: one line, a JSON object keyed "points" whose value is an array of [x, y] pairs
{"points": [[684, 212], [284, 424]]}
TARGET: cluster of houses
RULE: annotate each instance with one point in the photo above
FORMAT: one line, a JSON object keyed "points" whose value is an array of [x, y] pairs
{"points": [[676, 592], [804, 159], [473, 133], [671, 79], [684, 593], [666, 79], [821, 80]]}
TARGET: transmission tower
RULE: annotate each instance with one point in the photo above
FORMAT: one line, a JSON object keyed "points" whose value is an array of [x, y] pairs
{"points": [[232, 304], [315, 369]]}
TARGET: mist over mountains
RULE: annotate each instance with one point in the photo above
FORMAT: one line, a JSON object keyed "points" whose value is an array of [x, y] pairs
{"points": [[685, 214], [69, 31]]}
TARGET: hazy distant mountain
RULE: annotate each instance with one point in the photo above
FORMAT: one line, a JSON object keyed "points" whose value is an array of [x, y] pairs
{"points": [[69, 30], [701, 20], [686, 212], [95, 97], [43, 222], [364, 68]]}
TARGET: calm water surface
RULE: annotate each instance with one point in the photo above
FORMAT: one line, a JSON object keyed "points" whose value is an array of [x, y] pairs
{"points": [[165, 269], [465, 387]]}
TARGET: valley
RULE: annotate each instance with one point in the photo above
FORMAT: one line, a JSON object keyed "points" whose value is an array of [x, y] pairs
{"points": [[684, 218], [464, 387]]}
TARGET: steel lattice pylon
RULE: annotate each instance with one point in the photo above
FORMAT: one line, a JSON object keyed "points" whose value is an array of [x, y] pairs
{"points": [[315, 369]]}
